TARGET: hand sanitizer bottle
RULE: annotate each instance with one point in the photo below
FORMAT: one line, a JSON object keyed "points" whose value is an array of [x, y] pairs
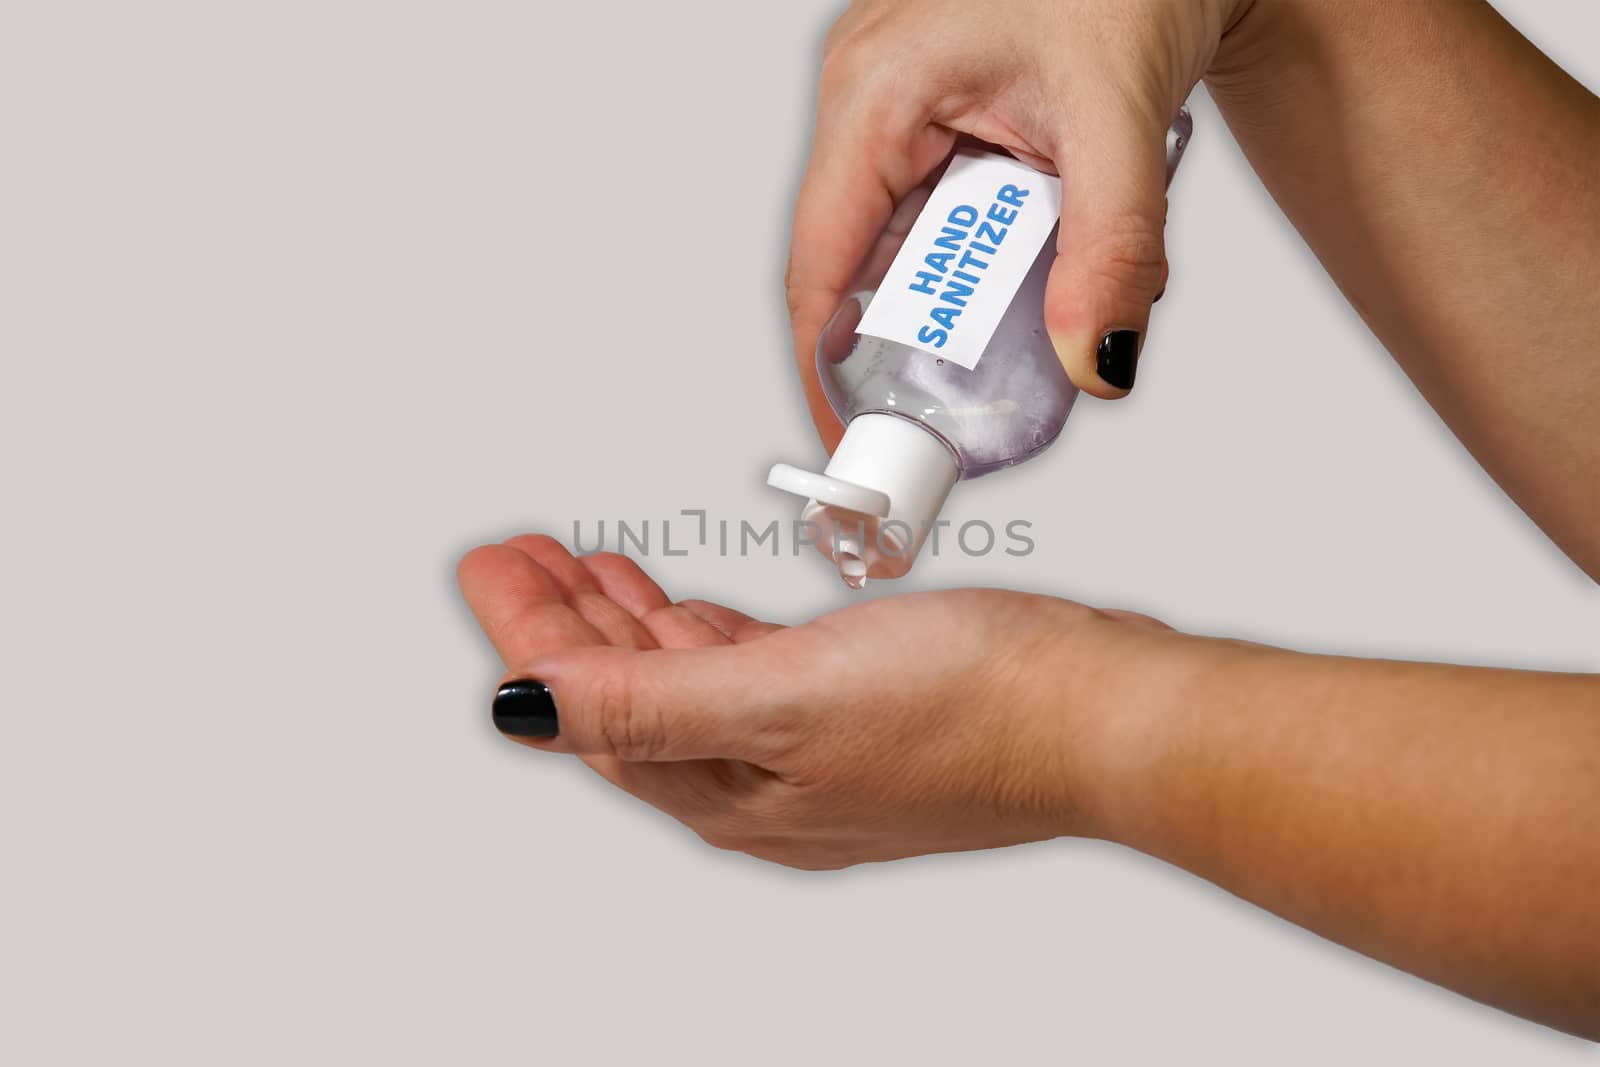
{"points": [[940, 367]]}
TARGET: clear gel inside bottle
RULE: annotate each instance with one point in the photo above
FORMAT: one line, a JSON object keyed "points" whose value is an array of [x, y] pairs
{"points": [[1006, 409]]}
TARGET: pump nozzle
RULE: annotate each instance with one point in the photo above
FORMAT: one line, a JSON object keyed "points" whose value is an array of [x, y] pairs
{"points": [[879, 496]]}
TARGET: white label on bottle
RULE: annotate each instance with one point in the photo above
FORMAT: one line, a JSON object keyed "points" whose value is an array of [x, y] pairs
{"points": [[965, 257]]}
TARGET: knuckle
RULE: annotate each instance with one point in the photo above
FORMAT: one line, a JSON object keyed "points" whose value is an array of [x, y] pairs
{"points": [[801, 298], [837, 31], [716, 840], [796, 856], [705, 801], [809, 311], [723, 834], [850, 59], [1132, 256], [793, 296], [623, 726], [743, 822]]}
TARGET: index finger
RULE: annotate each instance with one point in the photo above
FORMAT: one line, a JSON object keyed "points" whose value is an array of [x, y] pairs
{"points": [[863, 162], [519, 605]]}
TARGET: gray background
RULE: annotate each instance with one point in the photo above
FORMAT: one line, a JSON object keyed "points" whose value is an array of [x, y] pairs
{"points": [[301, 300]]}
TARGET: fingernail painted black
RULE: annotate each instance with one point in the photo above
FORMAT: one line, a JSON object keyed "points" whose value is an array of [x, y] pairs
{"points": [[525, 708], [1118, 358]]}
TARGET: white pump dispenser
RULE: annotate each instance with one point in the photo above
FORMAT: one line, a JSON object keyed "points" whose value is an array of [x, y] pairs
{"points": [[880, 495]]}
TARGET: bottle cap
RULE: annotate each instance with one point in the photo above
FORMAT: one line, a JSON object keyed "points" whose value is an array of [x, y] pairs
{"points": [[872, 507]]}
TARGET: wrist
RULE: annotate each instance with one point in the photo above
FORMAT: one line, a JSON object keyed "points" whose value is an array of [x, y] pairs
{"points": [[1260, 43], [1140, 708]]}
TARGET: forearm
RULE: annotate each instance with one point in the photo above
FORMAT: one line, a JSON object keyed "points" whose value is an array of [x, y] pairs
{"points": [[1445, 820], [1447, 174]]}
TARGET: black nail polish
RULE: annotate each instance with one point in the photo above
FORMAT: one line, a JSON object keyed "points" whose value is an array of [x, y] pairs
{"points": [[1118, 358], [525, 708]]}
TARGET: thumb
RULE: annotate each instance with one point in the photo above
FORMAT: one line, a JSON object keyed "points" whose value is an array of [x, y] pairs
{"points": [[1111, 254], [654, 705]]}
